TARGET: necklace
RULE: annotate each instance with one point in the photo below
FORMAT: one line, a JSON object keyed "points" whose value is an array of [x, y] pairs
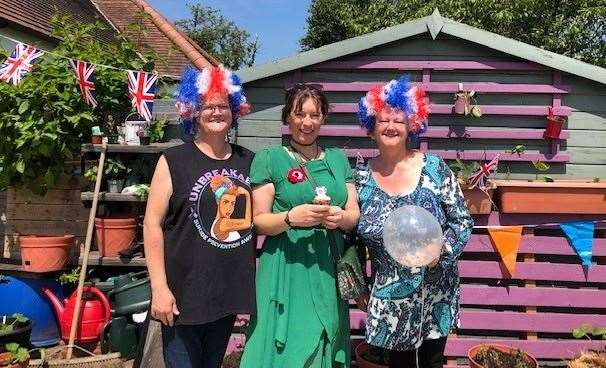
{"points": [[307, 158]]}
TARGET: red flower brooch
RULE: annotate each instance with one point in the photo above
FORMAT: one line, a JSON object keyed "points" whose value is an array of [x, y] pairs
{"points": [[296, 175]]}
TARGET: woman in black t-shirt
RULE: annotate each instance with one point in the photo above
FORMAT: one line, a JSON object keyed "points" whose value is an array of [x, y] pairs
{"points": [[198, 235]]}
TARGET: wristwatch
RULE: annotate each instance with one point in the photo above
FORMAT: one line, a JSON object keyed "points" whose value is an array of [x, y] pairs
{"points": [[286, 219]]}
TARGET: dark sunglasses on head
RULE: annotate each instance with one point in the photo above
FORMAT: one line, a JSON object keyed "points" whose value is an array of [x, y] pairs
{"points": [[304, 86]]}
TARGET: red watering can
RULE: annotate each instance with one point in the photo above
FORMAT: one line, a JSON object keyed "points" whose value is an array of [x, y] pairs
{"points": [[94, 313]]}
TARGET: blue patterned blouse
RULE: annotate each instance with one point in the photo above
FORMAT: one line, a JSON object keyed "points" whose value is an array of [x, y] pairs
{"points": [[409, 305]]}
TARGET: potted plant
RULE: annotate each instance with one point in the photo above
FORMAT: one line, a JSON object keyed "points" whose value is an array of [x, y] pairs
{"points": [[466, 104], [368, 356], [499, 356], [478, 200], [158, 131], [114, 234], [15, 356], [91, 176], [115, 171], [16, 328], [96, 135]]}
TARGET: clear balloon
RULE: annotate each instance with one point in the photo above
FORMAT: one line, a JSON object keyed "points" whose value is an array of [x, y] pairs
{"points": [[412, 236]]}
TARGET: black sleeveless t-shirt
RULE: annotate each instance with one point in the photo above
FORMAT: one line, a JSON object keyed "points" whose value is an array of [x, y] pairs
{"points": [[209, 246]]}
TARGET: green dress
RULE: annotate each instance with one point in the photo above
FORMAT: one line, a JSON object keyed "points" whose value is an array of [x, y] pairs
{"points": [[301, 321]]}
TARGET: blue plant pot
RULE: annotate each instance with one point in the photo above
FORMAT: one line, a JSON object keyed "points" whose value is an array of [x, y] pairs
{"points": [[23, 295]]}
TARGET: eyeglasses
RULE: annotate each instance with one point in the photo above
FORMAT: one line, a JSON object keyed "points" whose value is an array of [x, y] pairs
{"points": [[385, 122], [212, 108]]}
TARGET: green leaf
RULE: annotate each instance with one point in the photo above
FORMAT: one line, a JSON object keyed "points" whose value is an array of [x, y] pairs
{"points": [[23, 107], [599, 331], [587, 328], [20, 167], [21, 355], [12, 347], [548, 179], [519, 149], [578, 333], [20, 317], [540, 165]]}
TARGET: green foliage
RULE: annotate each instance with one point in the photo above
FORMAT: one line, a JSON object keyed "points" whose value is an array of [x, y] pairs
{"points": [[574, 28], [18, 318], [91, 174], [142, 191], [541, 166], [114, 169], [219, 36], [519, 149], [44, 120], [464, 170], [18, 354], [157, 130], [586, 330], [71, 277]]}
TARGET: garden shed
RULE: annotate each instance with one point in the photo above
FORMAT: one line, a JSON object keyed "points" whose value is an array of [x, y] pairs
{"points": [[517, 87]]}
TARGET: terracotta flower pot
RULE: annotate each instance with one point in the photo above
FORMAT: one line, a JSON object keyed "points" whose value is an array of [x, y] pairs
{"points": [[45, 253], [554, 126], [571, 197], [96, 139], [479, 202], [360, 350], [114, 235], [471, 354]]}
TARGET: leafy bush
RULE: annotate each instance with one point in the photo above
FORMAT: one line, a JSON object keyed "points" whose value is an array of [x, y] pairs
{"points": [[44, 120]]}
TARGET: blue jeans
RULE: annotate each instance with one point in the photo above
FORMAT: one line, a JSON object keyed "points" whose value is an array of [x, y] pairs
{"points": [[196, 346]]}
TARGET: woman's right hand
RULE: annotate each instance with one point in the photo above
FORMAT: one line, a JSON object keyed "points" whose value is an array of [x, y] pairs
{"points": [[308, 215], [164, 306]]}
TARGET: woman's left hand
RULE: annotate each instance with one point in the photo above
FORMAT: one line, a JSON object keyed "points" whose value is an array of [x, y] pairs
{"points": [[333, 219]]}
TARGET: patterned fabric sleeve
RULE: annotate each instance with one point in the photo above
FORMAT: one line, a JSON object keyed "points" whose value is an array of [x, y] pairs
{"points": [[459, 222]]}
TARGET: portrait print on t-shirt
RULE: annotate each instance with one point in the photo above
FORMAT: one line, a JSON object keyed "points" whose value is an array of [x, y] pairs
{"points": [[221, 208]]}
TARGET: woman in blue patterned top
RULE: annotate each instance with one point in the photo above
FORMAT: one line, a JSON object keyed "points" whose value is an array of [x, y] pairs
{"points": [[410, 311]]}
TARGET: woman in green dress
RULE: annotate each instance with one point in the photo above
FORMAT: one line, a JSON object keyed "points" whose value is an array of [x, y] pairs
{"points": [[301, 321]]}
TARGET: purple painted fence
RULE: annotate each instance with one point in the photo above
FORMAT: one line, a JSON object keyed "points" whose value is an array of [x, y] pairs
{"points": [[440, 109]]}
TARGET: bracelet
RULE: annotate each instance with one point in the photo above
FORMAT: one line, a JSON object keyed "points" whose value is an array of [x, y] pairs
{"points": [[286, 219]]}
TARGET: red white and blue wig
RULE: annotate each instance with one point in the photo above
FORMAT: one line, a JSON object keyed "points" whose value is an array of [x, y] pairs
{"points": [[199, 85], [398, 94]]}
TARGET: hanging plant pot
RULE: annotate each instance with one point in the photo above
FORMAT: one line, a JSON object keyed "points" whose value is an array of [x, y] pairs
{"points": [[368, 356], [481, 356], [478, 201], [554, 126], [462, 103], [45, 253], [113, 235], [570, 197]]}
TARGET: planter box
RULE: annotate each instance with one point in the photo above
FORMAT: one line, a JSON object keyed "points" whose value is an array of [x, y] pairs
{"points": [[571, 197], [479, 202]]}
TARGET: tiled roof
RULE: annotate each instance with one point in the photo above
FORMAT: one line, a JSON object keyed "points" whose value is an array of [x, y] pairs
{"points": [[36, 14], [124, 12]]}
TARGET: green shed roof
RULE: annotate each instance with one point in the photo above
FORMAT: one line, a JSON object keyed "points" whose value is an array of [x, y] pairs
{"points": [[434, 24]]}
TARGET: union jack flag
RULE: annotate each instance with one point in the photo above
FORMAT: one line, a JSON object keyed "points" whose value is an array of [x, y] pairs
{"points": [[486, 169], [16, 66], [86, 80], [142, 88]]}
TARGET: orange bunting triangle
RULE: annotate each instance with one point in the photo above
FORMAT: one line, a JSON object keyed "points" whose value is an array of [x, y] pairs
{"points": [[506, 240]]}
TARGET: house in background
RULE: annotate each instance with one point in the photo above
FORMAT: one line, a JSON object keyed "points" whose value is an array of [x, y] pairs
{"points": [[516, 84]]}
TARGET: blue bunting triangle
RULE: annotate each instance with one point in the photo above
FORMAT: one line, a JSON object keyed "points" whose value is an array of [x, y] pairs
{"points": [[580, 237]]}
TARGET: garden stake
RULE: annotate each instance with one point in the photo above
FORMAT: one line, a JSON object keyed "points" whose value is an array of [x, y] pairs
{"points": [[87, 243]]}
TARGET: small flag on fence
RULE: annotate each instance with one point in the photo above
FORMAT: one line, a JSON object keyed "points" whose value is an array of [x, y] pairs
{"points": [[142, 88], [19, 63], [506, 240], [580, 237], [86, 80], [479, 177]]}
